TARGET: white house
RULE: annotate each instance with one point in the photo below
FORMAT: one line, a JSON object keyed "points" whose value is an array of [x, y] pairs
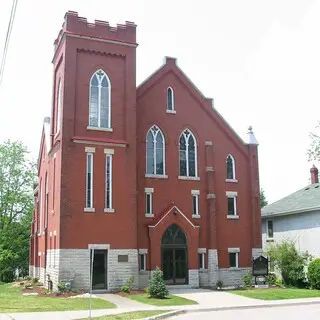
{"points": [[295, 217]]}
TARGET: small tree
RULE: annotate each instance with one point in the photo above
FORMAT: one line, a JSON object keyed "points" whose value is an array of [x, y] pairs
{"points": [[157, 287], [314, 274], [314, 147], [263, 199], [290, 262]]}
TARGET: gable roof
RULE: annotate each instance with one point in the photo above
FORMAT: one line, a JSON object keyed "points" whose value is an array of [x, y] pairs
{"points": [[207, 103], [304, 200]]}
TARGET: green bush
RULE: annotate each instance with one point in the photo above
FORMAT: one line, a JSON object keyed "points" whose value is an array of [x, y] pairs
{"points": [[62, 287], [219, 284], [314, 274], [125, 289], [34, 280], [290, 262], [271, 279], [157, 287], [247, 279]]}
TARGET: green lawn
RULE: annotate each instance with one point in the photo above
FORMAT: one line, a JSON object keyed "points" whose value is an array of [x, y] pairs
{"points": [[170, 301], [278, 294], [11, 300], [130, 315]]}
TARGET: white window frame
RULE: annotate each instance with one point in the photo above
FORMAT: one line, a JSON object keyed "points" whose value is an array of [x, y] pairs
{"points": [[195, 195], [89, 153], [187, 176], [58, 116], [109, 155], [203, 267], [99, 127], [149, 195], [267, 229], [155, 174], [232, 195], [234, 179], [235, 251], [173, 111], [46, 202]]}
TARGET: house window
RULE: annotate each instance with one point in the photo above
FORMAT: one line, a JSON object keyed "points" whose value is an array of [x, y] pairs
{"points": [[58, 119], [155, 151], [143, 262], [188, 154], [46, 202], [201, 261], [195, 202], [149, 209], [100, 101], [89, 181], [108, 204], [231, 169], [233, 258], [232, 203], [269, 229], [170, 99]]}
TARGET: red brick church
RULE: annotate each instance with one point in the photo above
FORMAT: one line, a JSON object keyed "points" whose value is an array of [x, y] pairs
{"points": [[142, 176]]}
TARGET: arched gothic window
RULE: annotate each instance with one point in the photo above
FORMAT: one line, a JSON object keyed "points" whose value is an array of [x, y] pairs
{"points": [[155, 151], [231, 167], [170, 99], [100, 101], [188, 154]]}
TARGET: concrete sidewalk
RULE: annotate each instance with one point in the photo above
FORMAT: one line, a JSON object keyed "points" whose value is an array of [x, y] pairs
{"points": [[207, 301]]}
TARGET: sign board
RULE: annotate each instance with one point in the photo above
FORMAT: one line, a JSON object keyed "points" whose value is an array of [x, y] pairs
{"points": [[260, 266], [123, 258]]}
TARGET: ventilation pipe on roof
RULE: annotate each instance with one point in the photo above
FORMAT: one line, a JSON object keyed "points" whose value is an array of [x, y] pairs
{"points": [[314, 174]]}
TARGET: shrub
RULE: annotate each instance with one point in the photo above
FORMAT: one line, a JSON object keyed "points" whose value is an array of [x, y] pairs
{"points": [[28, 278], [290, 262], [38, 284], [157, 287], [62, 287], [125, 289], [128, 286], [34, 280], [145, 290], [247, 279], [314, 274], [219, 284], [271, 279]]}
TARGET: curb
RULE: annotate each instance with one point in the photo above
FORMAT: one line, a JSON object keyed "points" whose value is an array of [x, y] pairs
{"points": [[166, 315], [261, 306]]}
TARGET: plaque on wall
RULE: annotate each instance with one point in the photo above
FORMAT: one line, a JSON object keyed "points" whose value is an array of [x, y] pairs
{"points": [[123, 258]]}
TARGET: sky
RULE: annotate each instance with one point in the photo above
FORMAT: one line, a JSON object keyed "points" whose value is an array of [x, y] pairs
{"points": [[259, 61]]}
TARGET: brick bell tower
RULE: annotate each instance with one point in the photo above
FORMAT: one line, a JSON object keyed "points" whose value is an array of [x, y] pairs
{"points": [[94, 139]]}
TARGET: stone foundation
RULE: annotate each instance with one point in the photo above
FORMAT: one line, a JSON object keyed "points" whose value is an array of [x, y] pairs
{"points": [[194, 278], [144, 277], [233, 277], [203, 278], [213, 269]]}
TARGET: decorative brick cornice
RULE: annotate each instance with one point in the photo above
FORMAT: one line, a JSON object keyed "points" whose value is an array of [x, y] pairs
{"points": [[101, 53]]}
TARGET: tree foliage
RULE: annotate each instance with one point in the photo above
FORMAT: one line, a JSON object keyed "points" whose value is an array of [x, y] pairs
{"points": [[290, 262], [157, 287], [263, 199], [17, 175], [314, 274], [314, 147]]}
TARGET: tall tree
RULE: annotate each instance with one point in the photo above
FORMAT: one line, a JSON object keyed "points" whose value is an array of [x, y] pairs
{"points": [[17, 175], [314, 147], [263, 199]]}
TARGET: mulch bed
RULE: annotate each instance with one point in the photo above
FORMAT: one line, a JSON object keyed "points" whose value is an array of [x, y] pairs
{"points": [[42, 293], [132, 292]]}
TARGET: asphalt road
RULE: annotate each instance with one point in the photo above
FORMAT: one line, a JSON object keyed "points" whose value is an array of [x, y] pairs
{"points": [[308, 312]]}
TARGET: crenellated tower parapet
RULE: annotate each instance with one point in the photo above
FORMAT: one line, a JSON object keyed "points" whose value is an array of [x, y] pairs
{"points": [[75, 25]]}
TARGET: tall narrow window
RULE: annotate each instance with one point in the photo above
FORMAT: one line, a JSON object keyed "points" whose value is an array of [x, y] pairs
{"points": [[41, 209], [201, 261], [108, 204], [232, 204], [170, 99], [100, 101], [269, 229], [89, 181], [155, 152], [188, 154], [59, 94], [149, 209], [195, 203], [234, 259], [142, 262], [231, 169], [46, 202]]}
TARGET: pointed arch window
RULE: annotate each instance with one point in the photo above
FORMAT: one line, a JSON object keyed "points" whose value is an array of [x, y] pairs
{"points": [[170, 100], [155, 151], [188, 154], [100, 101], [231, 168], [58, 119]]}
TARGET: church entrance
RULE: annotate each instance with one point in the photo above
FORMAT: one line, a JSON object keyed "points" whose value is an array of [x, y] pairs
{"points": [[175, 256]]}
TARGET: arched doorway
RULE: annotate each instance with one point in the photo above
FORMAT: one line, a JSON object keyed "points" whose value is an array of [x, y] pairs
{"points": [[175, 256]]}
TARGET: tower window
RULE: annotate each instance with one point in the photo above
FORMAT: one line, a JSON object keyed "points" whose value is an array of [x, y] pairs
{"points": [[100, 101], [170, 100]]}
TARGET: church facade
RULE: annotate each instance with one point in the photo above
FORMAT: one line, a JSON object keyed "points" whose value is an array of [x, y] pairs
{"points": [[133, 178]]}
